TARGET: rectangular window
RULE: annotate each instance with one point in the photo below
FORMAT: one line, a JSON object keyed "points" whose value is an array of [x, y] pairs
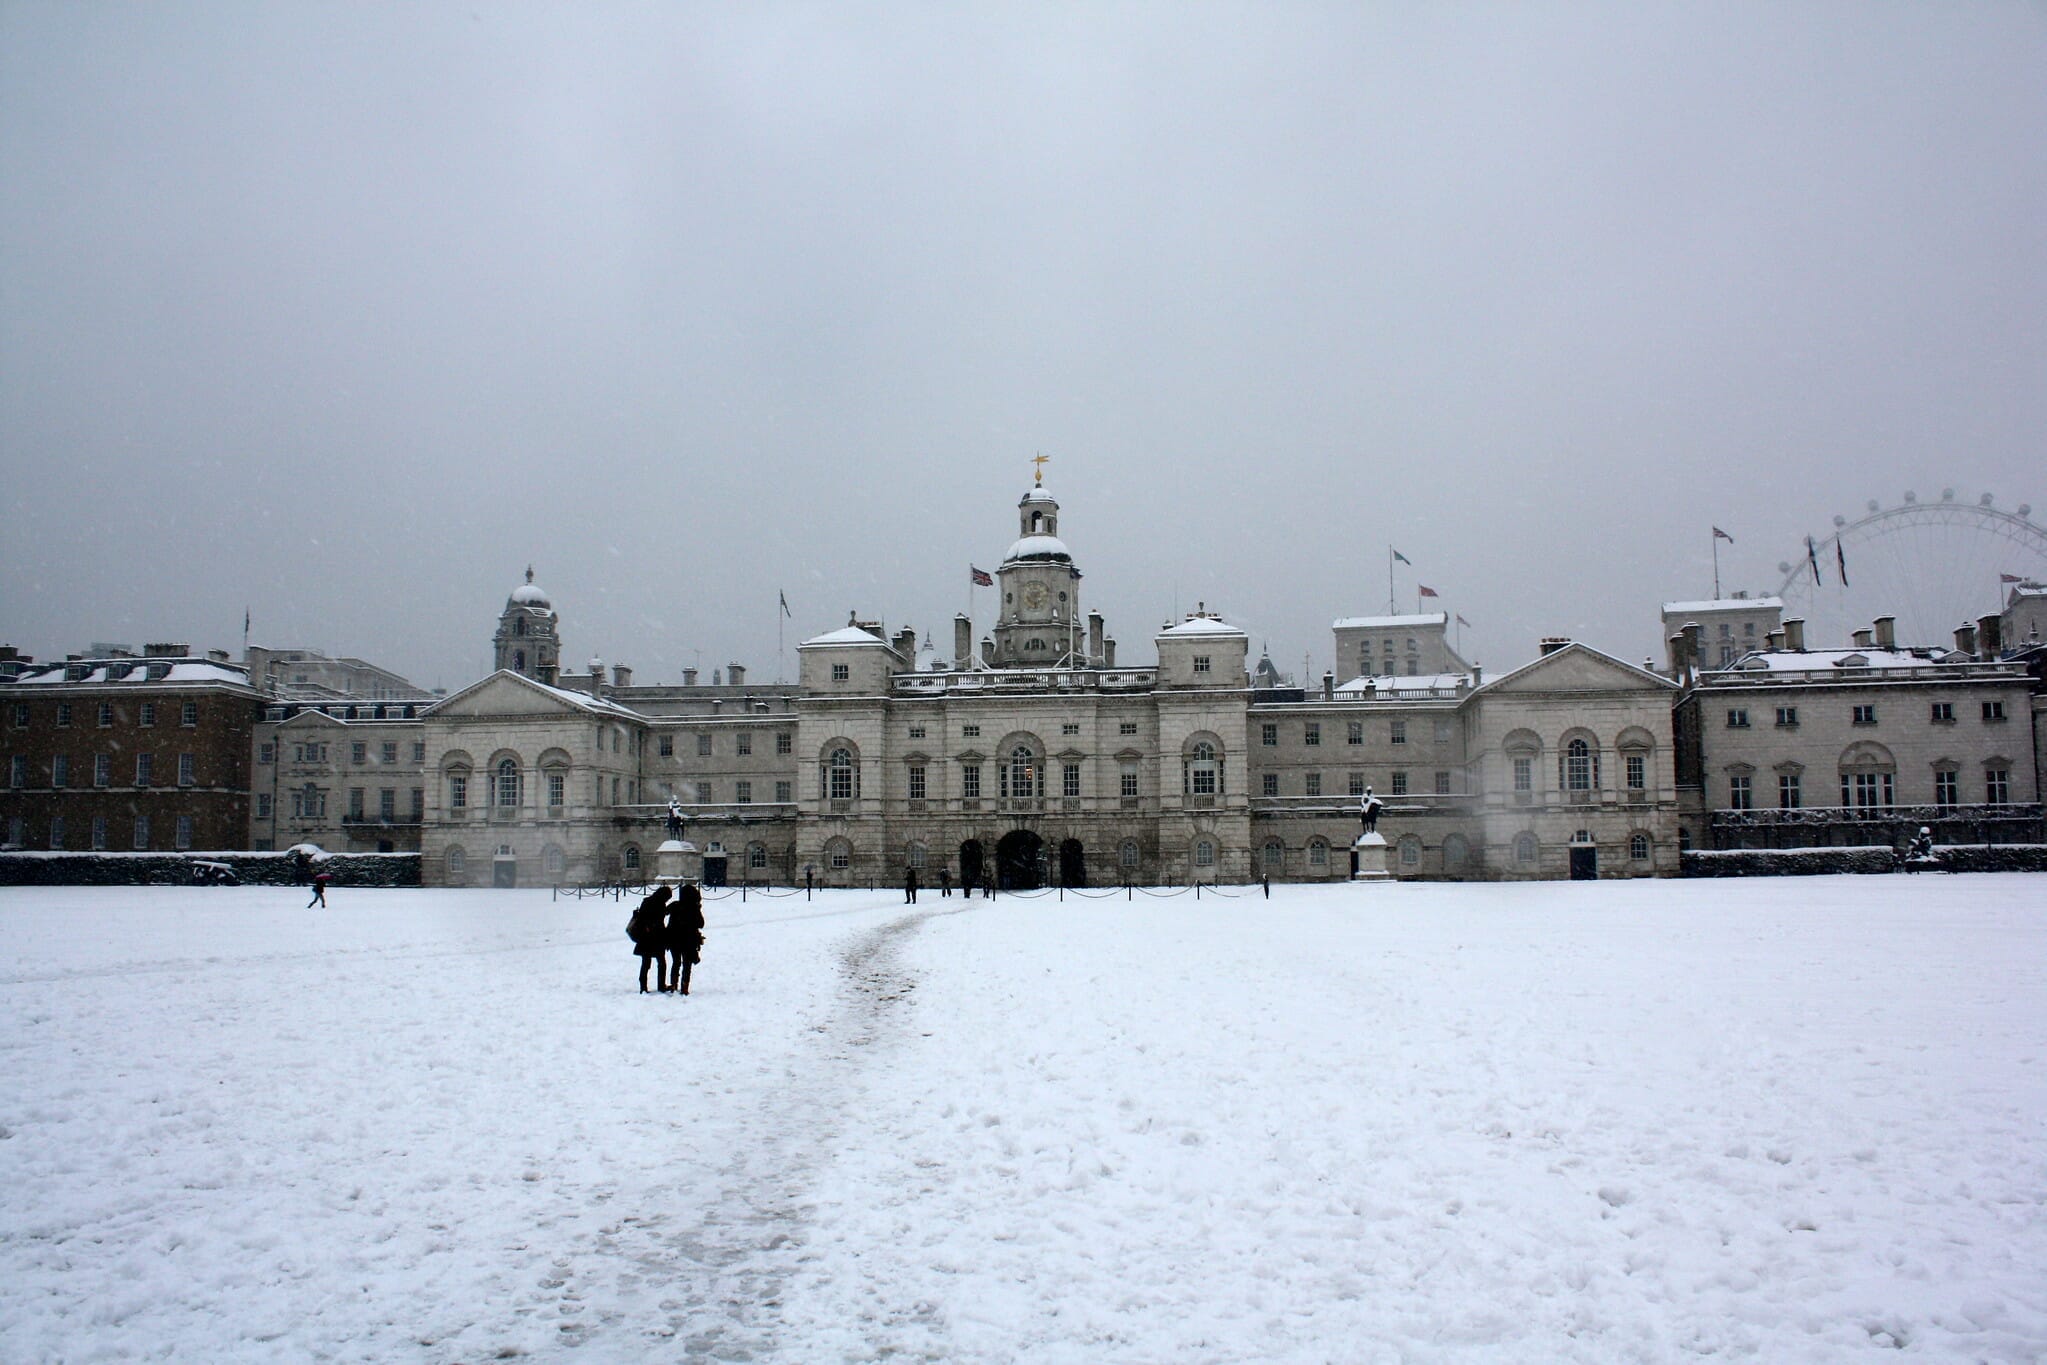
{"points": [[102, 769], [970, 732], [783, 793], [1069, 779], [458, 791], [188, 714], [17, 771], [1993, 710], [916, 732], [970, 781], [1356, 784], [784, 742], [1268, 734], [147, 715], [1865, 714], [703, 794], [419, 803], [106, 714], [840, 673], [1400, 784], [186, 774], [1787, 718], [1126, 727], [56, 831], [1443, 732], [1737, 718], [1268, 784], [419, 751], [1637, 766], [742, 743], [145, 769], [1312, 735], [916, 781], [1740, 795], [1997, 785], [355, 803], [1943, 713], [63, 715], [1442, 782], [60, 771], [704, 746], [1524, 774], [359, 752], [1947, 788], [666, 747], [1313, 784], [99, 831], [262, 805], [1127, 780], [391, 751], [142, 831], [184, 831], [21, 715], [742, 792], [1867, 790], [266, 753], [557, 789], [1201, 663], [1789, 795], [1069, 727], [1399, 732]]}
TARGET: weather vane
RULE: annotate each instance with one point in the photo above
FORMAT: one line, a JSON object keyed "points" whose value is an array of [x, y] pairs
{"points": [[1040, 462]]}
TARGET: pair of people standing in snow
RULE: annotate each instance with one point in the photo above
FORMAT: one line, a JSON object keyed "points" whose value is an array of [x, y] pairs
{"points": [[668, 936]]}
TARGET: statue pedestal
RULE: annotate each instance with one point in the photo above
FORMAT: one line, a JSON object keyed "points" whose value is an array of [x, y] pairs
{"points": [[1370, 851], [677, 861]]}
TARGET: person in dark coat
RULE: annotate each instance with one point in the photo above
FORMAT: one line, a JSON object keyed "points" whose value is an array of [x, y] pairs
{"points": [[650, 942], [988, 886], [910, 885], [945, 883], [685, 935], [320, 880]]}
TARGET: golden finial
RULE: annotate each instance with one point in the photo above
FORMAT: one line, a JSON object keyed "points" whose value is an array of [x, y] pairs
{"points": [[1039, 461]]}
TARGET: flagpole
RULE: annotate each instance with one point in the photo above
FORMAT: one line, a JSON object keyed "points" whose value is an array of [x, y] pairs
{"points": [[1716, 564], [1390, 608]]}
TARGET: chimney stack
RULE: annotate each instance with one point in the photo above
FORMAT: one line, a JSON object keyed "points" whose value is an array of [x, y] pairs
{"points": [[906, 644], [735, 675], [1863, 640], [689, 677], [1108, 652], [1676, 647], [1094, 638], [547, 673], [1794, 634], [1990, 636], [621, 676], [962, 642], [1328, 685], [1965, 638], [1886, 632], [988, 650], [1695, 646], [1552, 643]]}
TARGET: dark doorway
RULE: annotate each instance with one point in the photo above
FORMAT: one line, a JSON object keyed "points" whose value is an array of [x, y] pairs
{"points": [[1584, 863], [714, 871], [1020, 861], [970, 864], [1072, 864], [504, 872]]}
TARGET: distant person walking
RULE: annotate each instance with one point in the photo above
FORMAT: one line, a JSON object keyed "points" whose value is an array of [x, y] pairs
{"points": [[988, 886], [685, 935], [320, 880], [945, 883], [650, 942], [910, 886]]}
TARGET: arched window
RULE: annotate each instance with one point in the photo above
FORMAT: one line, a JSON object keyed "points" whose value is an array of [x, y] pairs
{"points": [[839, 854], [1638, 847], [1581, 767], [1204, 853], [1202, 769], [1274, 855], [1410, 852], [914, 856], [1318, 853], [1126, 854], [1020, 774], [508, 784], [632, 857], [553, 860], [1524, 847], [839, 783], [1456, 853], [518, 661], [757, 857], [458, 863]]}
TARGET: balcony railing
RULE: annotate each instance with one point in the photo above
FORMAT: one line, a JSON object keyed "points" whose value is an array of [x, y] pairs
{"points": [[1777, 816]]}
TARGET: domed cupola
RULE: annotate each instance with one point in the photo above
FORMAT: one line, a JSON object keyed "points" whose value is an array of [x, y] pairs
{"points": [[528, 639], [1039, 624]]}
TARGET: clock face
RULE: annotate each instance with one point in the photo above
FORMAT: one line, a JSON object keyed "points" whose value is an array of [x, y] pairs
{"points": [[1034, 596]]}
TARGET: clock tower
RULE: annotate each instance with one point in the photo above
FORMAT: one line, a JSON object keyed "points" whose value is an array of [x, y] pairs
{"points": [[1039, 625]]}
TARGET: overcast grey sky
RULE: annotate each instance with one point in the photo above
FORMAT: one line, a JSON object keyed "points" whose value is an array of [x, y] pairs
{"points": [[345, 313]]}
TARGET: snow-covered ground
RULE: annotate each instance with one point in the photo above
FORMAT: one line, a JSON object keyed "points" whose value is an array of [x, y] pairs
{"points": [[1796, 1120]]}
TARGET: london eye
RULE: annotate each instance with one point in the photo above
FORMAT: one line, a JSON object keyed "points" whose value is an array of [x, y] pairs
{"points": [[1932, 564]]}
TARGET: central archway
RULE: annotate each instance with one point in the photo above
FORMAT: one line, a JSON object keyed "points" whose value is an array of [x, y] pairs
{"points": [[1072, 863], [1020, 861], [970, 865]]}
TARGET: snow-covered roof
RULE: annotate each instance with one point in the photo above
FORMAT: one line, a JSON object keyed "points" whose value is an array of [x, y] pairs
{"points": [[844, 635], [1036, 493], [1818, 660], [1397, 682], [1201, 625], [1724, 604], [530, 595], [582, 701], [1038, 547], [186, 671], [1431, 618]]}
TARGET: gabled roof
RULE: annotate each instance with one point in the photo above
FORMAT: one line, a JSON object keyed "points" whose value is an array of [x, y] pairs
{"points": [[561, 696], [1201, 625], [1592, 669]]}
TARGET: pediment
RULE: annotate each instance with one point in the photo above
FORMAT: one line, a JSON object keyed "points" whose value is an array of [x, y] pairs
{"points": [[505, 693], [308, 719], [1580, 668]]}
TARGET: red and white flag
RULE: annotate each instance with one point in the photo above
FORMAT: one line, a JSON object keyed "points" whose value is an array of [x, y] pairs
{"points": [[979, 577], [1426, 590]]}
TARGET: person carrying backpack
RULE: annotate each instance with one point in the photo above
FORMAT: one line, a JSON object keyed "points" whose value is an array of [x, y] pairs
{"points": [[646, 931]]}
